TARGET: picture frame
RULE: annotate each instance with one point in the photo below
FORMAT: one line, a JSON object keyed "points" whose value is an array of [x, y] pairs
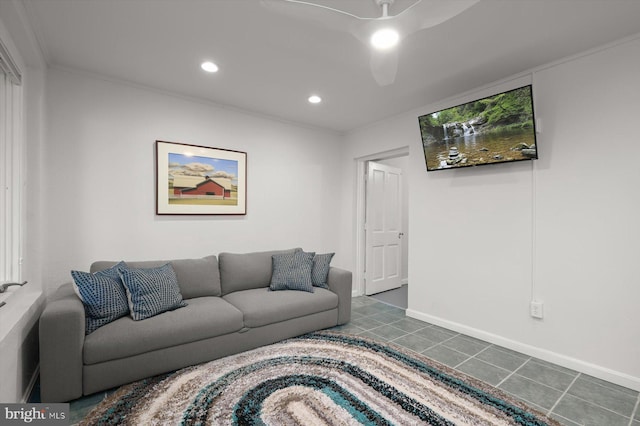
{"points": [[200, 180]]}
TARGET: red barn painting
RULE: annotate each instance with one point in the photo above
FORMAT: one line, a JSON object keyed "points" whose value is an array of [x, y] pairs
{"points": [[202, 185]]}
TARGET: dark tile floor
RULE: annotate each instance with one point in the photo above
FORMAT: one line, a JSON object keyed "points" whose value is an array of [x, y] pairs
{"points": [[570, 397]]}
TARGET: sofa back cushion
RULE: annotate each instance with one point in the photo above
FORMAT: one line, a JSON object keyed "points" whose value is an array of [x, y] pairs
{"points": [[246, 271], [196, 277]]}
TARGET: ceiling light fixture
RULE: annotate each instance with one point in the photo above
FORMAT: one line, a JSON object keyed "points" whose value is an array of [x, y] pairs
{"points": [[385, 38], [209, 66], [314, 99]]}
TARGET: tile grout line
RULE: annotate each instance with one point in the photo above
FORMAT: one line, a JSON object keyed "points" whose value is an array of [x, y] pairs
{"points": [[595, 404], [565, 418], [455, 367], [529, 403], [483, 350], [414, 331], [555, 367], [607, 385], [459, 364], [513, 372], [601, 407], [635, 410], [564, 394], [491, 364], [437, 343]]}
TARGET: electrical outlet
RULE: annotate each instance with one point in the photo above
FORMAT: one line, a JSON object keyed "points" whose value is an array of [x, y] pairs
{"points": [[537, 309]]}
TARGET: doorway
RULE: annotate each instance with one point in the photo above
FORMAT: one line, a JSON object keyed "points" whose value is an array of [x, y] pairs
{"points": [[382, 271]]}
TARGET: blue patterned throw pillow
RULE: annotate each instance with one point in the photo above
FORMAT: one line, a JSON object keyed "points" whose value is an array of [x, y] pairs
{"points": [[292, 271], [320, 270], [103, 296], [151, 291]]}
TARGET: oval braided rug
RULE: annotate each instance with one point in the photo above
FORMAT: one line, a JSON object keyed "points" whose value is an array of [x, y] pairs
{"points": [[323, 378]]}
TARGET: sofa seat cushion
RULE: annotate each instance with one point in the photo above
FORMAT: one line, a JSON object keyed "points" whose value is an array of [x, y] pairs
{"points": [[202, 318], [263, 307]]}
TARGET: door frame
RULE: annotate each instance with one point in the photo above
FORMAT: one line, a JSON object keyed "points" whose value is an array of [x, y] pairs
{"points": [[361, 173]]}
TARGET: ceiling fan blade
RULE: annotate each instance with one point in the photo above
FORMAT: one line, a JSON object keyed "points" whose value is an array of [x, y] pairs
{"points": [[384, 63], [429, 13], [384, 66], [324, 16]]}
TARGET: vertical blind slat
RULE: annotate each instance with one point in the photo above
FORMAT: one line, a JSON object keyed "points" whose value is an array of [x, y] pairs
{"points": [[11, 162]]}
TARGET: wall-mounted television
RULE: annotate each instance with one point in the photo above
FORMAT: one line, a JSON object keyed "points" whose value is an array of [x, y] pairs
{"points": [[495, 129]]}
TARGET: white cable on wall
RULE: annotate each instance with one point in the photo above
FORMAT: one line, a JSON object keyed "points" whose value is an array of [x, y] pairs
{"points": [[533, 194]]}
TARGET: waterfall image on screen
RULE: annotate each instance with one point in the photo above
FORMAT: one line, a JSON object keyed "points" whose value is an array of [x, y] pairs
{"points": [[495, 129]]}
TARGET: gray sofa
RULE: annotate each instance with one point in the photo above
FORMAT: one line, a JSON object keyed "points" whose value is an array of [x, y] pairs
{"points": [[229, 309]]}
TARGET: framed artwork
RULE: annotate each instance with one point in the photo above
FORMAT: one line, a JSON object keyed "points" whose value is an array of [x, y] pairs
{"points": [[193, 179]]}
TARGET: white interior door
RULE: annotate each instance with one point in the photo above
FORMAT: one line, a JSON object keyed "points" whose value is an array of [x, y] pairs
{"points": [[383, 228]]}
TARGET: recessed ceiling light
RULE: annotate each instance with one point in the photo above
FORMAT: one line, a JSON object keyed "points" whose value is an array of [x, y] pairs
{"points": [[385, 38], [315, 99], [209, 66]]}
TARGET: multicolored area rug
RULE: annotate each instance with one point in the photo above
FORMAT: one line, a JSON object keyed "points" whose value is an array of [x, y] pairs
{"points": [[323, 378]]}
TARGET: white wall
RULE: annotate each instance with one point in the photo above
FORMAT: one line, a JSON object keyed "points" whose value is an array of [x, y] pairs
{"points": [[562, 229], [99, 186], [587, 205]]}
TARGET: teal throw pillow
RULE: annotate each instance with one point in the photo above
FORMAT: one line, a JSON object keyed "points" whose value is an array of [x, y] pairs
{"points": [[151, 291], [103, 296], [320, 270], [292, 271]]}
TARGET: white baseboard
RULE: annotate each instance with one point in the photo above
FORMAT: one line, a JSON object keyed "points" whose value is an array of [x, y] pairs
{"points": [[603, 373]]}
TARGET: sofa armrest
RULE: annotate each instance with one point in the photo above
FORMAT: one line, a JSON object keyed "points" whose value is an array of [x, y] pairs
{"points": [[62, 328], [340, 282]]}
